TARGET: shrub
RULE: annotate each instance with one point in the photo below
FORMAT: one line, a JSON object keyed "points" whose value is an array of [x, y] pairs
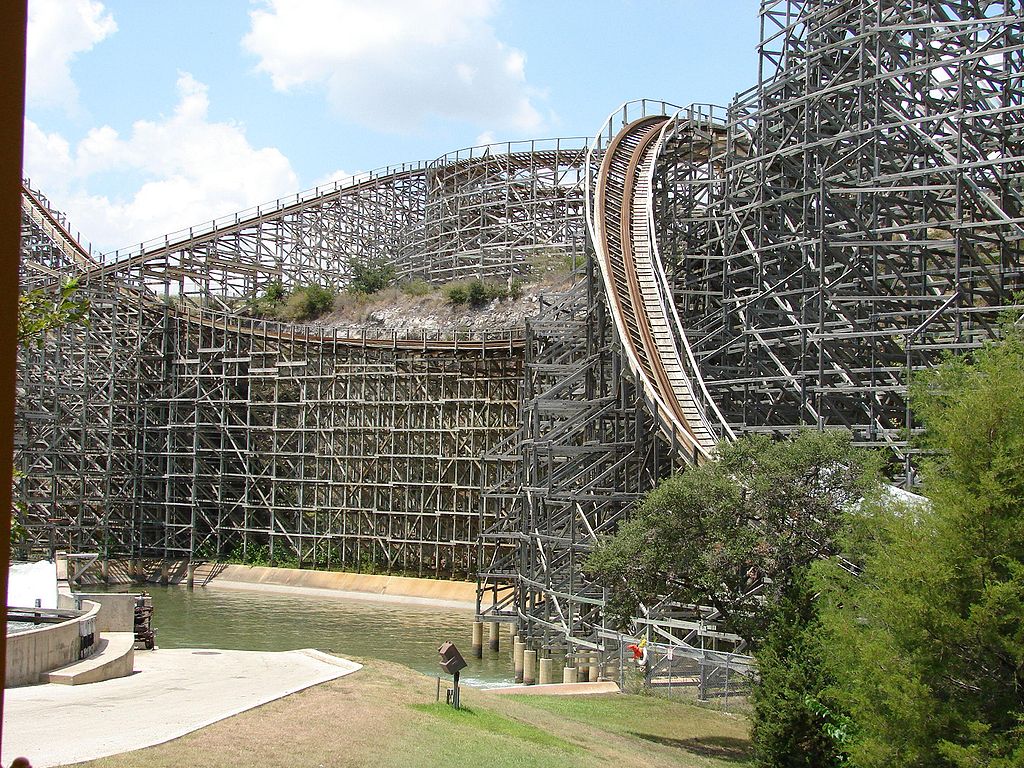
{"points": [[417, 287], [307, 303], [456, 293], [475, 292], [371, 276]]}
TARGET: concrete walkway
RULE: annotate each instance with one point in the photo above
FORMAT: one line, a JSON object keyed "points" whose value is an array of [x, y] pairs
{"points": [[172, 692]]}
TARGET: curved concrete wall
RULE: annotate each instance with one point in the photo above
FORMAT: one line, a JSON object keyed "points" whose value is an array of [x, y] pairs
{"points": [[32, 653], [390, 586]]}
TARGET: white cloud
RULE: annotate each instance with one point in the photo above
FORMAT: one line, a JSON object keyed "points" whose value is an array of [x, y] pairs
{"points": [[187, 169], [58, 30], [394, 63]]}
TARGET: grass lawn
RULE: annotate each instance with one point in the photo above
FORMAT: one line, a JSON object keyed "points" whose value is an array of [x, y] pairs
{"points": [[385, 715]]}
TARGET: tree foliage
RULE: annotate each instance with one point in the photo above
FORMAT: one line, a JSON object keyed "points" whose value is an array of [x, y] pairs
{"points": [[40, 312], [371, 276], [792, 726], [759, 512], [307, 302], [926, 646]]}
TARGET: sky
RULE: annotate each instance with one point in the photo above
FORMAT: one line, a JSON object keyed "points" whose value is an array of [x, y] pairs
{"points": [[144, 117]]}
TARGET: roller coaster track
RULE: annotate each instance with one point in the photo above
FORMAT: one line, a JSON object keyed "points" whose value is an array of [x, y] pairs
{"points": [[621, 222], [90, 270]]}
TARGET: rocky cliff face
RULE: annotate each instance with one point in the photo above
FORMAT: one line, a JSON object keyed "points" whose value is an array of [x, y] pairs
{"points": [[395, 309]]}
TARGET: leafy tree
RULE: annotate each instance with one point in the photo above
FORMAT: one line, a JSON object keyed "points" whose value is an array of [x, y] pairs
{"points": [[926, 645], [754, 516], [792, 726], [40, 312]]}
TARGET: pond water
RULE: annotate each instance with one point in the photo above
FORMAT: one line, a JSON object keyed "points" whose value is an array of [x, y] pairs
{"points": [[265, 621]]}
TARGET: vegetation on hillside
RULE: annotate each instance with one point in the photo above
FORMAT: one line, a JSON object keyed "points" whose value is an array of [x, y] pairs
{"points": [[477, 292]]}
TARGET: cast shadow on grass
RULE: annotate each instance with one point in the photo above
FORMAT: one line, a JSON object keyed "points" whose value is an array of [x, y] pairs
{"points": [[720, 747]]}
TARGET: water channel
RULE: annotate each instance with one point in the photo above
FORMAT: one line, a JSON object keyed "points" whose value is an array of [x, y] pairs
{"points": [[262, 621]]}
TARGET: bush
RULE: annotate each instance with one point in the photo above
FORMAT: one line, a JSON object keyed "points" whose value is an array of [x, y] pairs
{"points": [[371, 276], [268, 303], [307, 302], [475, 292], [417, 287], [456, 293]]}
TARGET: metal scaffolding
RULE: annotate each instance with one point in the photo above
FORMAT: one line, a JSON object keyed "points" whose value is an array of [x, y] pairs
{"points": [[786, 262], [170, 425], [851, 219]]}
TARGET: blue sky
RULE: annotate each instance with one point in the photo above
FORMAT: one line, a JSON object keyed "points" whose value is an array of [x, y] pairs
{"points": [[147, 116]]}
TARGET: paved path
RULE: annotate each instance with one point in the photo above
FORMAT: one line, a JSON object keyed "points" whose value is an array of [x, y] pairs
{"points": [[172, 692]]}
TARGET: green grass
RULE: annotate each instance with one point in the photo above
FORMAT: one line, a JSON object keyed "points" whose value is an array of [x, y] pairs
{"points": [[385, 716], [692, 729], [494, 724]]}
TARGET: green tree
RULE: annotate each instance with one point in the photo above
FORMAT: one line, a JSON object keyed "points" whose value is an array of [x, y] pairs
{"points": [[926, 645], [40, 312], [753, 517], [307, 302], [792, 726]]}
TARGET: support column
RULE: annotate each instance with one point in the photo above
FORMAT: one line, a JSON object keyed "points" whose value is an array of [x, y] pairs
{"points": [[190, 575], [478, 639], [568, 675], [493, 633], [165, 572], [517, 659], [593, 667], [544, 678], [529, 667]]}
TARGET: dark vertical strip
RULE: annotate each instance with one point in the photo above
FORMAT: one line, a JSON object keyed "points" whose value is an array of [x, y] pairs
{"points": [[13, 17]]}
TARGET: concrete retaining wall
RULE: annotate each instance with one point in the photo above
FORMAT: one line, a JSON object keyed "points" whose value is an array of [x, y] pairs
{"points": [[150, 571], [397, 586], [117, 610], [31, 653]]}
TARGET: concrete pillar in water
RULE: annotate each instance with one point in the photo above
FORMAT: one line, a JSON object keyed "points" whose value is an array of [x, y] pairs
{"points": [[478, 639], [568, 675], [105, 571], [513, 635], [165, 572], [517, 659], [190, 575], [493, 632], [593, 667], [530, 667], [133, 568], [544, 678]]}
